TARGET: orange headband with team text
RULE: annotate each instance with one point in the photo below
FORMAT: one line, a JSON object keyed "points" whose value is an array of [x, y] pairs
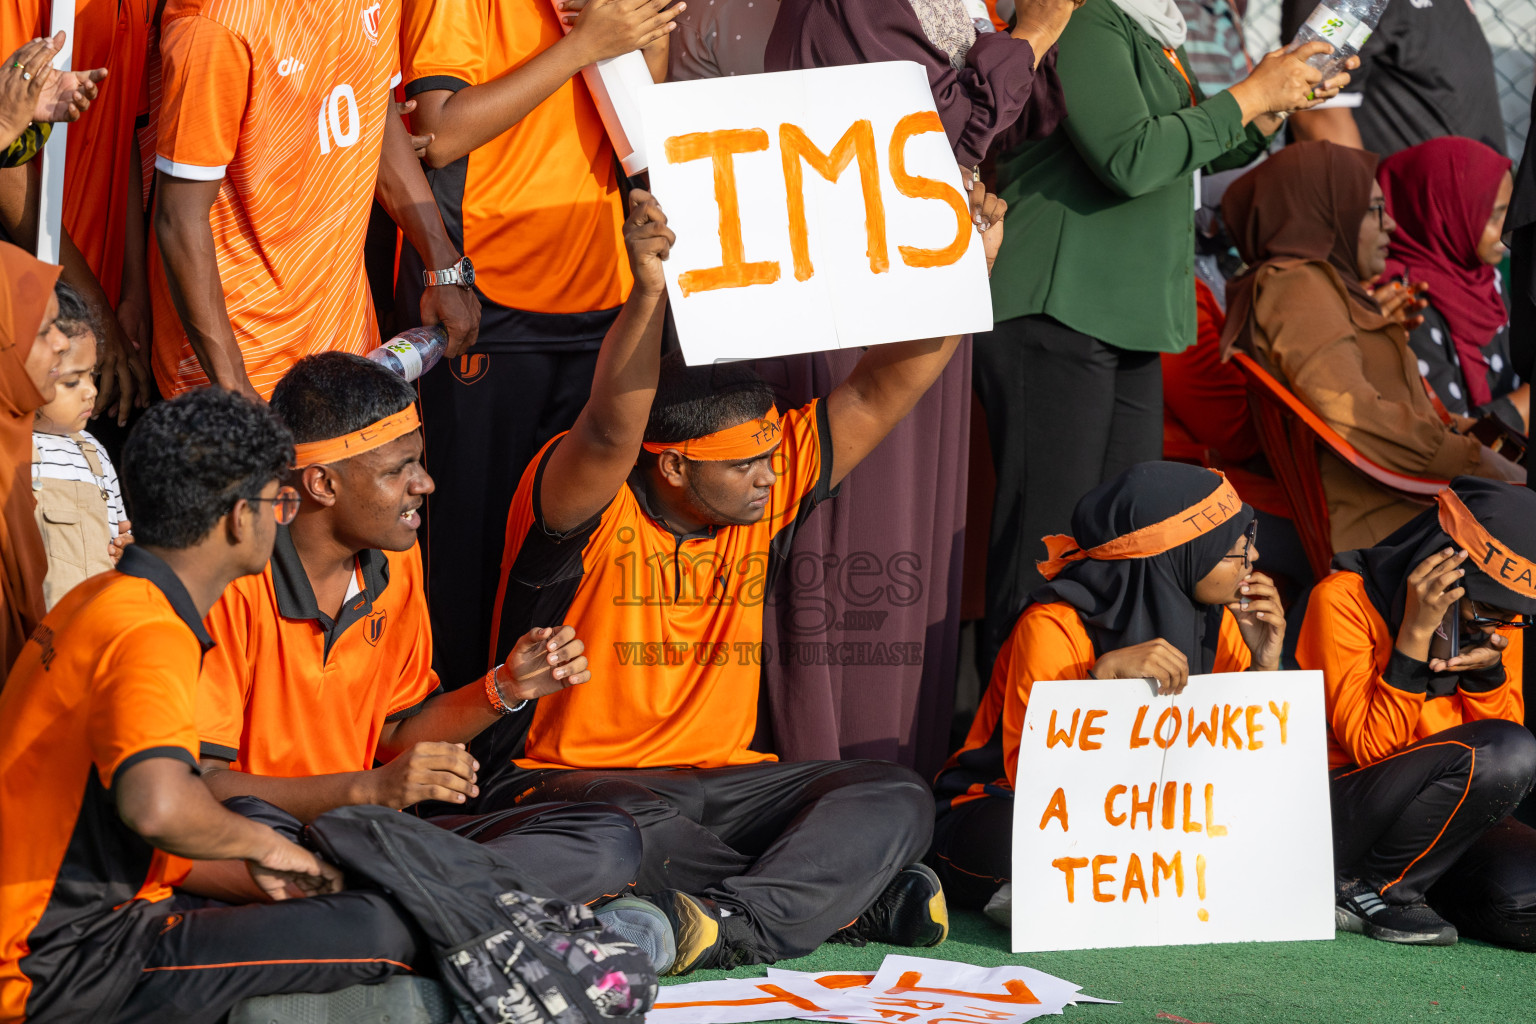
{"points": [[743, 441], [1512, 572], [375, 435], [1180, 528]]}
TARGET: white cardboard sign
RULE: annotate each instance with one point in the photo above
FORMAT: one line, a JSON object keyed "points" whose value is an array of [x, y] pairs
{"points": [[906, 990], [814, 210], [615, 85], [1142, 820]]}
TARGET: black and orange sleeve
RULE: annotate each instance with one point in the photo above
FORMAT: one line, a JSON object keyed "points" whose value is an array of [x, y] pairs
{"points": [[142, 699], [1048, 642], [1498, 693], [442, 45], [229, 671], [205, 83], [1373, 712], [803, 461]]}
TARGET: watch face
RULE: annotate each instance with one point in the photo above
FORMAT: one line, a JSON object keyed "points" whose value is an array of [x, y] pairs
{"points": [[466, 272]]}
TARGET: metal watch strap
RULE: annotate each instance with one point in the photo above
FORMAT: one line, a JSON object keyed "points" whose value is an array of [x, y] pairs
{"points": [[493, 695]]}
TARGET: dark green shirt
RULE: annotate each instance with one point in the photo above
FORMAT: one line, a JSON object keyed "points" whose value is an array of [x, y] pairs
{"points": [[1100, 231]]}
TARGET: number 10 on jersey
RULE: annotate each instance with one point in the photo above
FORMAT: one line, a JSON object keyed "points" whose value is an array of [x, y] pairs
{"points": [[340, 107]]}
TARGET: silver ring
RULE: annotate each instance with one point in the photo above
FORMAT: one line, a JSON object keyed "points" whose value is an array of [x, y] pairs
{"points": [[26, 76]]}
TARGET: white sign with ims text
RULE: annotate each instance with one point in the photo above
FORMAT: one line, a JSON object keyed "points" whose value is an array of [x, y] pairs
{"points": [[814, 210], [1142, 820]]}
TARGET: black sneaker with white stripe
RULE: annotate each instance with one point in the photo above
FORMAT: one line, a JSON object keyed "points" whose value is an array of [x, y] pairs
{"points": [[1361, 910]]}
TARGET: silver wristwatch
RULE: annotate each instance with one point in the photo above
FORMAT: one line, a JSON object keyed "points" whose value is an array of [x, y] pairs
{"points": [[461, 273]]}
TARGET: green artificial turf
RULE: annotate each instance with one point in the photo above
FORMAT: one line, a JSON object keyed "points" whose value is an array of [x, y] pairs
{"points": [[1351, 980]]}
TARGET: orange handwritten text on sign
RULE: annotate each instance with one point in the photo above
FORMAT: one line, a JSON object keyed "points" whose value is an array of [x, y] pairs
{"points": [[1015, 991], [721, 146], [858, 141], [774, 994], [857, 144]]}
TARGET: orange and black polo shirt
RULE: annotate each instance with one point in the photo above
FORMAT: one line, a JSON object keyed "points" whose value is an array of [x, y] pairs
{"points": [[107, 680], [1048, 642], [289, 691], [673, 624]]}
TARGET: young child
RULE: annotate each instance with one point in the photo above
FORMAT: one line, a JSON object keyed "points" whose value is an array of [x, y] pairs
{"points": [[79, 507]]}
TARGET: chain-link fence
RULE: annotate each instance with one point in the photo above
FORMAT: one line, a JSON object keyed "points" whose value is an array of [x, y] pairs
{"points": [[1510, 26]]}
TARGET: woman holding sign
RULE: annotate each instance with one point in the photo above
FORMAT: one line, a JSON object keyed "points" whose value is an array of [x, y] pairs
{"points": [[1419, 643], [1156, 582]]}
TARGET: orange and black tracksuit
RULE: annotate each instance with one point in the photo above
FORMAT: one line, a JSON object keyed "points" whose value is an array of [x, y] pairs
{"points": [[90, 928], [1425, 770]]}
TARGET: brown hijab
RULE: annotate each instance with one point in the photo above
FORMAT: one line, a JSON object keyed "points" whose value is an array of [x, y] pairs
{"points": [[26, 283], [1302, 205]]}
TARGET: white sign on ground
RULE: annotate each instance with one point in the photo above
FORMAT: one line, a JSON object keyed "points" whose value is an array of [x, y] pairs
{"points": [[814, 210], [1142, 820], [906, 990]]}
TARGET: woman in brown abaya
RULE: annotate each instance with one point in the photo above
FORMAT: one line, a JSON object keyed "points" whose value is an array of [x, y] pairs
{"points": [[31, 351], [863, 630], [1310, 222]]}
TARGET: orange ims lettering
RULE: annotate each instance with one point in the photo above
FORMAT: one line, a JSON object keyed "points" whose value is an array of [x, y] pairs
{"points": [[858, 141], [720, 146], [915, 187], [1057, 809], [1068, 866]]}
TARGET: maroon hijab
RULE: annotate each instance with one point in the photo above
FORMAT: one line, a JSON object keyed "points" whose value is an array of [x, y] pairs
{"points": [[1302, 205], [1441, 194]]}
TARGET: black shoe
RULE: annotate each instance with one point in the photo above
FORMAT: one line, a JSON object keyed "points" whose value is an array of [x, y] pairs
{"points": [[1361, 910], [644, 924], [910, 912], [699, 935]]}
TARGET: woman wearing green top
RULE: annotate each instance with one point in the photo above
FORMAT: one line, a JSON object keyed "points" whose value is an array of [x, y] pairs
{"points": [[1095, 275]]}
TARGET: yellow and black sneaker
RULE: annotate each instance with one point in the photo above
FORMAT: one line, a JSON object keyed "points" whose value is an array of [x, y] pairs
{"points": [[910, 912], [697, 930]]}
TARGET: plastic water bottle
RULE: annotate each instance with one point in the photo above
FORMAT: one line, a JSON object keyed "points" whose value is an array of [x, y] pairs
{"points": [[413, 352], [981, 18], [1343, 24]]}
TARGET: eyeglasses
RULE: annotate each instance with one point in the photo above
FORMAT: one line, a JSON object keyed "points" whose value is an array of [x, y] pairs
{"points": [[1251, 537], [1379, 208], [285, 504], [1483, 621]]}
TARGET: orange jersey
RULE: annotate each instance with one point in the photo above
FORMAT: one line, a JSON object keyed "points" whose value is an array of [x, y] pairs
{"points": [[672, 625], [289, 692], [1048, 642], [97, 200], [286, 105], [1379, 702], [540, 207], [106, 681]]}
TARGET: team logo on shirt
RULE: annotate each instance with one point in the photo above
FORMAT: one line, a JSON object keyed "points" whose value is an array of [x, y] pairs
{"points": [[373, 628], [470, 368], [371, 23]]}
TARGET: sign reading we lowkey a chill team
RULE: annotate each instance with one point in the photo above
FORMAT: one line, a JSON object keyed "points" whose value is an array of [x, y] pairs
{"points": [[814, 210], [1142, 820]]}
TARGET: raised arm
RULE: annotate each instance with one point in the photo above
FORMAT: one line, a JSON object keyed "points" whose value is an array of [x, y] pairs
{"points": [[590, 464], [464, 115], [403, 191]]}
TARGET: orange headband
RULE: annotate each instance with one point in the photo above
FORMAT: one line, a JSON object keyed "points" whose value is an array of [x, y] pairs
{"points": [[1513, 572], [1177, 529], [375, 435], [744, 441]]}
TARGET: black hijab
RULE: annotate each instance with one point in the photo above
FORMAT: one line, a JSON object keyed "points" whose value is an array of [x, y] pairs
{"points": [[1507, 511], [1128, 601]]}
